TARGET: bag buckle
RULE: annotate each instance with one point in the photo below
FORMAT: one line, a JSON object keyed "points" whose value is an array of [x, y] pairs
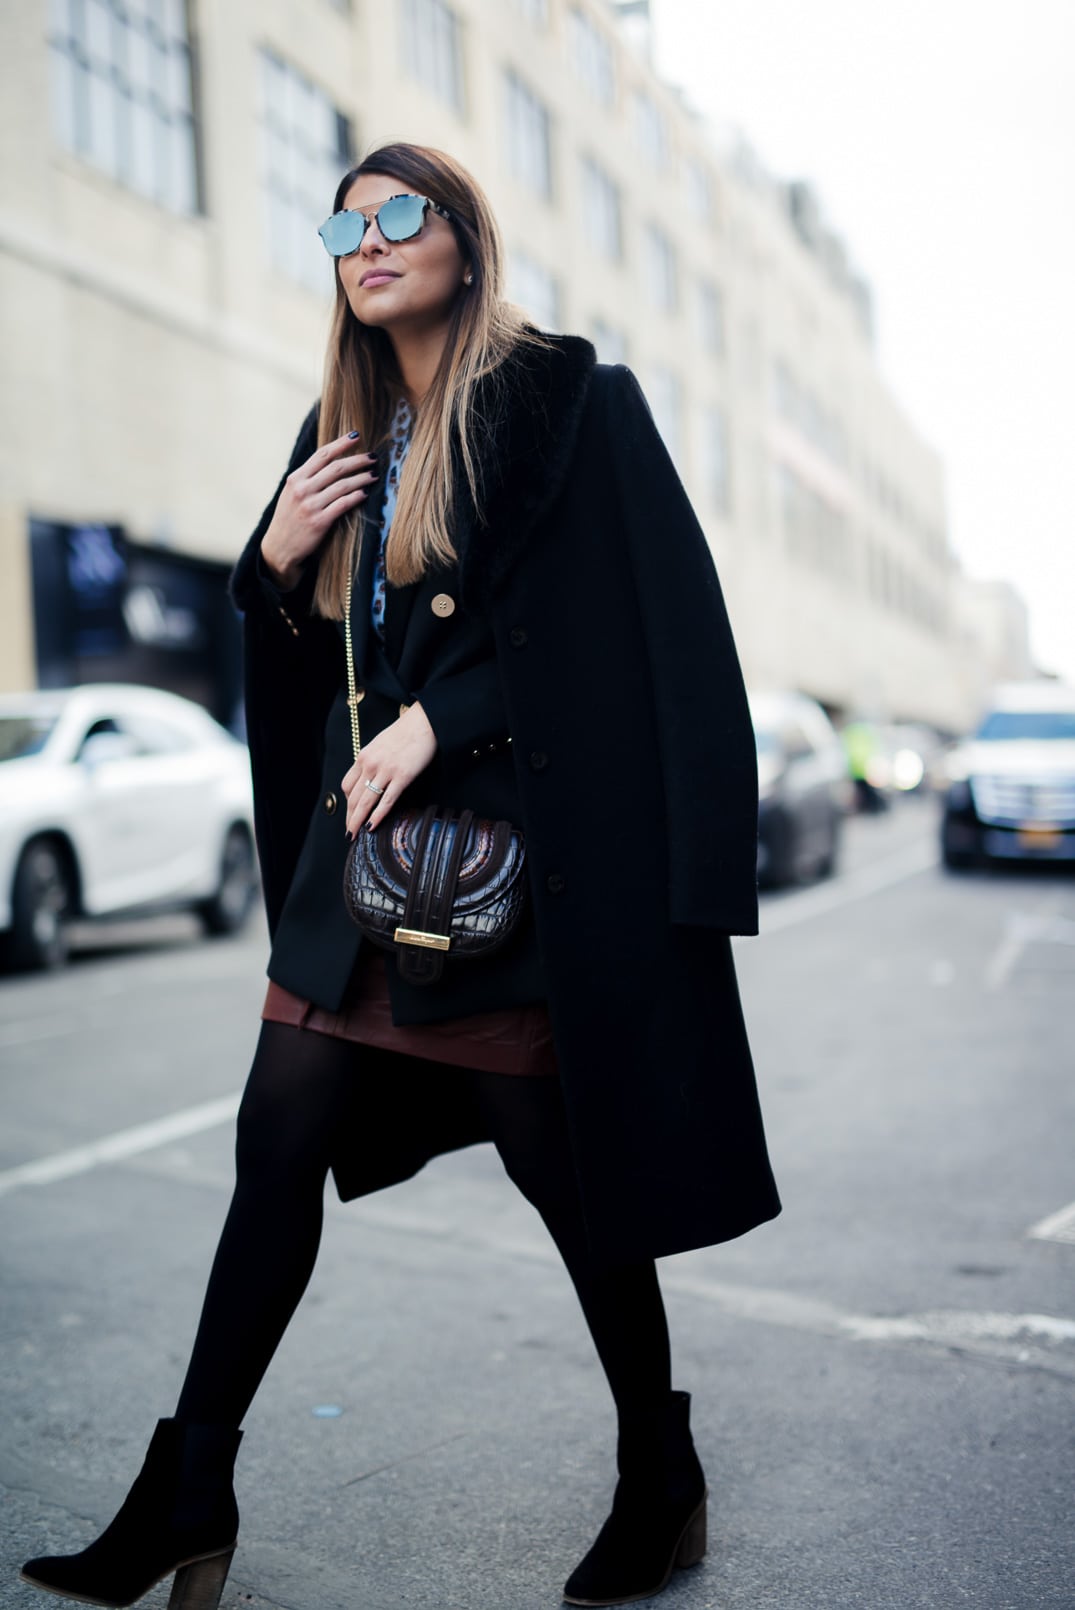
{"points": [[415, 936]]}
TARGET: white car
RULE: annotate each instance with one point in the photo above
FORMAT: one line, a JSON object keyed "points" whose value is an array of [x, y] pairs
{"points": [[116, 798], [1011, 788]]}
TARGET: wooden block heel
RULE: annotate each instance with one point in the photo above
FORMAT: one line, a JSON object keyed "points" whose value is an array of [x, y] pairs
{"points": [[692, 1544], [199, 1585]]}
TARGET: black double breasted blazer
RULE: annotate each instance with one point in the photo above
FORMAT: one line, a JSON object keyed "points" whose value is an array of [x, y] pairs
{"points": [[630, 767]]}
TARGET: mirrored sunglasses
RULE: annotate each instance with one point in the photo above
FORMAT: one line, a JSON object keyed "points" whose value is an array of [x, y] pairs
{"points": [[398, 218]]}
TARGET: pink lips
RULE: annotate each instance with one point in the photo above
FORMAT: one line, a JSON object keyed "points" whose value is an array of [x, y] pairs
{"points": [[376, 276]]}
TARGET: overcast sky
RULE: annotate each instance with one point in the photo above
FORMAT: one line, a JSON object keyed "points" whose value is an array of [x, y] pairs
{"points": [[941, 137]]}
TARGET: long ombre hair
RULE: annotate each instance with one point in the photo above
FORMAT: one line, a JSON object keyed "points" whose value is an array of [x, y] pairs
{"points": [[362, 383]]}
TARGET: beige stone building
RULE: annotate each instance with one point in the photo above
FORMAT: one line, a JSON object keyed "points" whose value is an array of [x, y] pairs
{"points": [[165, 302]]}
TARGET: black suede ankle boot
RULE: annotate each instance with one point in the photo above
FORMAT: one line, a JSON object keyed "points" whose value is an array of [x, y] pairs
{"points": [[179, 1516], [658, 1512]]}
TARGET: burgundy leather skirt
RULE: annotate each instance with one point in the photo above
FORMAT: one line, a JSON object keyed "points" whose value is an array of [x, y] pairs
{"points": [[517, 1040]]}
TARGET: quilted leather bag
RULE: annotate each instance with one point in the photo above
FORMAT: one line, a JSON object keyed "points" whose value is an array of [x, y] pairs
{"points": [[432, 883]]}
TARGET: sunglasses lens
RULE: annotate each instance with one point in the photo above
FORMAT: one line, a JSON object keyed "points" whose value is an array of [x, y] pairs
{"points": [[401, 217], [342, 233]]}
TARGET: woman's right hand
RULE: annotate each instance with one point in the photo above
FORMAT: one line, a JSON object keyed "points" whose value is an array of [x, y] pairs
{"points": [[332, 481]]}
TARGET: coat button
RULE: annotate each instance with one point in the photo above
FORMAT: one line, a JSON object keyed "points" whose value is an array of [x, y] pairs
{"points": [[555, 883], [443, 605], [517, 637], [330, 802], [539, 760]]}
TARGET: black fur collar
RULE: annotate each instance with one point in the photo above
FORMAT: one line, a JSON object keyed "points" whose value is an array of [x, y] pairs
{"points": [[527, 421]]}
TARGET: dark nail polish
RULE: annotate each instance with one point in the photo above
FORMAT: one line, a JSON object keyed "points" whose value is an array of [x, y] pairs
{"points": [[349, 837], [353, 435], [370, 828]]}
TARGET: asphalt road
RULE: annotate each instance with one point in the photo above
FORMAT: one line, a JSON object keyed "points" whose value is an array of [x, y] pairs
{"points": [[883, 1377]]}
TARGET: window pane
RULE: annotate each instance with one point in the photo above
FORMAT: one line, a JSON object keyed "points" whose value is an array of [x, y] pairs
{"points": [[601, 210], [611, 343], [666, 400], [301, 163], [533, 287], [593, 57], [131, 114], [431, 47], [661, 271], [527, 135], [715, 465]]}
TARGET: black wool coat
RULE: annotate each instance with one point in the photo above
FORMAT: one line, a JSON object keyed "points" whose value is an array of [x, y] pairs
{"points": [[634, 767]]}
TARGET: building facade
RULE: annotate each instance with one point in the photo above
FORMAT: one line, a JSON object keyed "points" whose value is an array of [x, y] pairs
{"points": [[166, 300]]}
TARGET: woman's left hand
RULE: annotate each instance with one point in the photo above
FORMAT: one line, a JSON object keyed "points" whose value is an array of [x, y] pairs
{"points": [[385, 767]]}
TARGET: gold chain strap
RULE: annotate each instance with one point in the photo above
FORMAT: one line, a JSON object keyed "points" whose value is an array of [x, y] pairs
{"points": [[354, 694]]}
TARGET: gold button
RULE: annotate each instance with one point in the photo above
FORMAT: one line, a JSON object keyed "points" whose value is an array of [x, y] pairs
{"points": [[403, 709], [330, 802], [443, 605]]}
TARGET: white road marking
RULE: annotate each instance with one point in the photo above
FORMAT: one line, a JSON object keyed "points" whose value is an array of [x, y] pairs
{"points": [[124, 1143], [1059, 1226], [1022, 929], [25, 1032], [819, 901], [1040, 1340]]}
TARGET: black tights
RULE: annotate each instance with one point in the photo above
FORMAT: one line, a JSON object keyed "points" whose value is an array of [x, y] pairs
{"points": [[300, 1089]]}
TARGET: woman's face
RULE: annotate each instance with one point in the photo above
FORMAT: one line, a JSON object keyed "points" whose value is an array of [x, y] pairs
{"points": [[407, 287]]}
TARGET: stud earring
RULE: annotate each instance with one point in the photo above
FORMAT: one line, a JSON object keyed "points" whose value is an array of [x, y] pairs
{"points": [[468, 278]]}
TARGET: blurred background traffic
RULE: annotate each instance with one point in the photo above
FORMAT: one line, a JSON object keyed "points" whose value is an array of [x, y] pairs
{"points": [[166, 310]]}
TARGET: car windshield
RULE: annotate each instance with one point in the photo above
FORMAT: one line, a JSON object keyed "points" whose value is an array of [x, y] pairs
{"points": [[24, 735], [1004, 724]]}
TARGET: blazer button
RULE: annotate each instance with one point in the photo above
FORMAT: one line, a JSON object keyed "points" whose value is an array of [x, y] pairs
{"points": [[555, 883], [443, 605], [539, 760], [517, 637], [330, 802]]}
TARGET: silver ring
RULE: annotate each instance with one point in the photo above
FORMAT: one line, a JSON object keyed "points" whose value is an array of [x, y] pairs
{"points": [[374, 789]]}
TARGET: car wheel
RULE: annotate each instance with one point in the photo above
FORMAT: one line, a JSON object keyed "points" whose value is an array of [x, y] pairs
{"points": [[227, 910], [41, 901], [956, 860], [781, 860], [826, 867]]}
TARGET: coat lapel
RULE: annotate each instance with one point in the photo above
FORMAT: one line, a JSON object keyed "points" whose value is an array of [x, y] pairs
{"points": [[526, 422]]}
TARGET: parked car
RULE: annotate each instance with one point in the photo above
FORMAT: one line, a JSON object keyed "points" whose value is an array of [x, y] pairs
{"points": [[118, 799], [804, 789], [1011, 788]]}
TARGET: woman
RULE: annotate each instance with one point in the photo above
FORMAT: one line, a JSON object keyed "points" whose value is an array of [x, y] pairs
{"points": [[538, 633]]}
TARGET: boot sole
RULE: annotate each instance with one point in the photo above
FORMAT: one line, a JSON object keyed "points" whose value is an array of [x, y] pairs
{"points": [[196, 1581], [689, 1550]]}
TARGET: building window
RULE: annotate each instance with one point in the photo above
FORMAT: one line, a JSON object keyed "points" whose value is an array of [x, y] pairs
{"points": [[716, 462], [535, 11], [699, 190], [305, 150], [592, 55], [431, 48], [529, 138], [660, 269], [651, 131], [666, 400], [534, 289], [611, 343], [709, 317], [602, 212], [123, 97]]}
